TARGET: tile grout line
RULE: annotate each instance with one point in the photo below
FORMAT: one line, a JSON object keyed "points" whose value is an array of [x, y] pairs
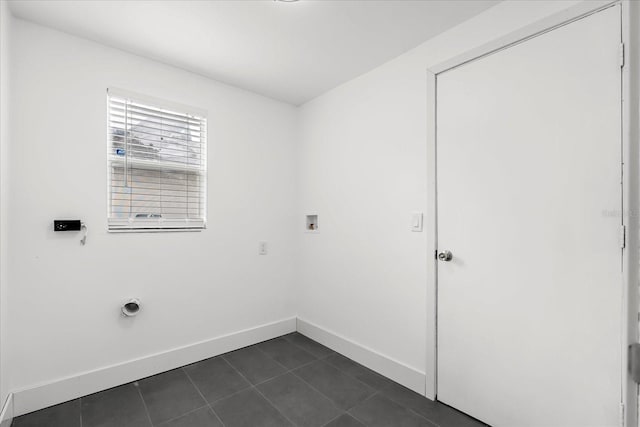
{"points": [[288, 371], [364, 367], [333, 419], [260, 393], [203, 398], [217, 416], [324, 359], [435, 424], [182, 415], [252, 385], [291, 371], [231, 395], [344, 373], [316, 358], [319, 359], [265, 353], [376, 390], [318, 391], [300, 347], [136, 384], [354, 415], [348, 411], [408, 408], [274, 406]]}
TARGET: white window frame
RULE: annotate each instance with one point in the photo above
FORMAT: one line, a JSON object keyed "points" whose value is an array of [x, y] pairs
{"points": [[119, 225]]}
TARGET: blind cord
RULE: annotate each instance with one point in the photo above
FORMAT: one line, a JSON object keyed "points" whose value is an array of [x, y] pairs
{"points": [[83, 227]]}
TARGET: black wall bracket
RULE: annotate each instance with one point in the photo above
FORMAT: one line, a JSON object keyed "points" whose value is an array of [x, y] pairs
{"points": [[71, 225], [67, 225]]}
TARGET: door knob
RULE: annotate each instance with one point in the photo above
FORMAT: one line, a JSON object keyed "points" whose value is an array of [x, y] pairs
{"points": [[445, 256]]}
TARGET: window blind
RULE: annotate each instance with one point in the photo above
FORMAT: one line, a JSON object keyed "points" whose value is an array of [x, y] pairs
{"points": [[157, 166]]}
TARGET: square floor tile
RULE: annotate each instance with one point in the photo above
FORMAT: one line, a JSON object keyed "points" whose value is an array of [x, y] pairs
{"points": [[117, 407], [64, 415], [358, 371], [345, 420], [435, 412], [170, 395], [249, 409], [216, 378], [321, 387], [379, 411], [298, 401], [309, 345], [254, 364], [343, 390], [286, 353], [203, 417]]}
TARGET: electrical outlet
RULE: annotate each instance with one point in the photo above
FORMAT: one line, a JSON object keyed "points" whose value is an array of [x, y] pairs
{"points": [[262, 248]]}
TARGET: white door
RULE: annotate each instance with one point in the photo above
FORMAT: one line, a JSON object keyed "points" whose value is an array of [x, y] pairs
{"points": [[529, 196]]}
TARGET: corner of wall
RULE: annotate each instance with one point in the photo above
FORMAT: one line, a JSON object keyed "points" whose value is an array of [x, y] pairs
{"points": [[5, 36], [6, 414]]}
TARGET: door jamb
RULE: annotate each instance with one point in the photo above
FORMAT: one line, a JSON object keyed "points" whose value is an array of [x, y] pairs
{"points": [[630, 204]]}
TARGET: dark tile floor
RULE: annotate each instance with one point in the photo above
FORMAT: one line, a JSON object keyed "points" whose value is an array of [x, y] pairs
{"points": [[287, 381]]}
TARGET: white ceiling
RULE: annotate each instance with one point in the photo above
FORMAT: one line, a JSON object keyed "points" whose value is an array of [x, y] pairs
{"points": [[288, 51]]}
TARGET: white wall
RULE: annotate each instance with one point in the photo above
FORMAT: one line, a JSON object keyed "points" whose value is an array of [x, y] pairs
{"points": [[362, 169], [64, 297], [5, 31], [356, 156]]}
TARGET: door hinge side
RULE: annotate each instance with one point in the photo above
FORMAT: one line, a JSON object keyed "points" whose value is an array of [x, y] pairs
{"points": [[634, 362], [621, 55], [623, 236], [621, 414]]}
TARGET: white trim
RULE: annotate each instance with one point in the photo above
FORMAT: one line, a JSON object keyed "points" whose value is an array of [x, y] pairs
{"points": [[431, 228], [155, 224], [48, 394], [631, 175], [6, 416], [630, 202], [525, 33], [157, 102], [384, 365]]}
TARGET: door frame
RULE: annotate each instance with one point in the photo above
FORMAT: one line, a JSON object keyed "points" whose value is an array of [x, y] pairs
{"points": [[630, 170]]}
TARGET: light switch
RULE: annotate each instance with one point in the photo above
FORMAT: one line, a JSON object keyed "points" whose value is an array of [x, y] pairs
{"points": [[416, 221]]}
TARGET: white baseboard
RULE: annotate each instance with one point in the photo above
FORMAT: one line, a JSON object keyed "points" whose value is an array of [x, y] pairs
{"points": [[6, 416], [384, 365], [48, 394], [44, 395]]}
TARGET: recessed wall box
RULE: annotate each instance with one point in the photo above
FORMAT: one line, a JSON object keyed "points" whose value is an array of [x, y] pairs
{"points": [[67, 225], [312, 223]]}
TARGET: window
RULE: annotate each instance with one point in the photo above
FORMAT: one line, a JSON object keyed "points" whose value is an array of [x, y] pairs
{"points": [[157, 165]]}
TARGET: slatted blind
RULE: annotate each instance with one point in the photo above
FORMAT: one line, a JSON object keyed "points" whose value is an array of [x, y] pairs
{"points": [[157, 165]]}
